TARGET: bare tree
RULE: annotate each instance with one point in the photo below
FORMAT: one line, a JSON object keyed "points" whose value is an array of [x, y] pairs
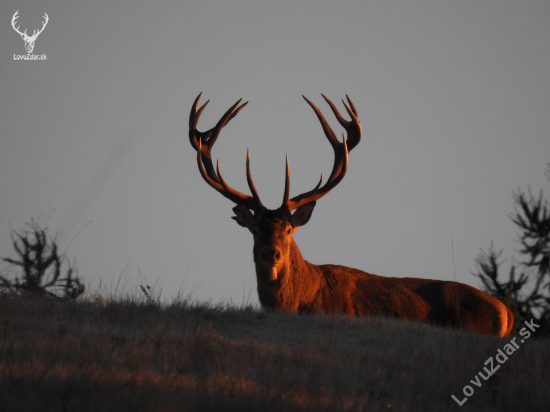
{"points": [[529, 292], [41, 266]]}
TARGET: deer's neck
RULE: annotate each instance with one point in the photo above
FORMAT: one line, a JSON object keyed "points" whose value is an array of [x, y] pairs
{"points": [[296, 286]]}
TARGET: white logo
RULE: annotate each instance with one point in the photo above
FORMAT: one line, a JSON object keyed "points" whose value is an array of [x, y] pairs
{"points": [[29, 40]]}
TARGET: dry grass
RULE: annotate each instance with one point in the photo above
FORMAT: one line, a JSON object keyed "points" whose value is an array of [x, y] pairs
{"points": [[122, 355]]}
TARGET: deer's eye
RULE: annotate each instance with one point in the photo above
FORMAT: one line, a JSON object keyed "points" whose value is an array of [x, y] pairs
{"points": [[289, 232]]}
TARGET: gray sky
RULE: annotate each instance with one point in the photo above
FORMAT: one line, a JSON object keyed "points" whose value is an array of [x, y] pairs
{"points": [[453, 97]]}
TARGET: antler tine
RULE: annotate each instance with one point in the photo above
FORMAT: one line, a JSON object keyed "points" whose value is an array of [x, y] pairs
{"points": [[209, 137], [13, 23], [194, 119], [341, 151], [204, 158], [352, 107], [194, 134], [47, 19], [221, 186], [353, 127], [317, 193], [287, 184], [215, 131], [249, 180], [234, 195], [193, 113], [328, 131], [35, 32], [286, 203]]}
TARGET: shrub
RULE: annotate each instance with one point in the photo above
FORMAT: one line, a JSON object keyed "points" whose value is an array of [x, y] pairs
{"points": [[41, 267], [527, 295]]}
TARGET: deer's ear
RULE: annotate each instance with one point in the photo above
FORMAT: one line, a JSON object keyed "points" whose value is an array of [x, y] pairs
{"points": [[244, 217], [302, 214]]}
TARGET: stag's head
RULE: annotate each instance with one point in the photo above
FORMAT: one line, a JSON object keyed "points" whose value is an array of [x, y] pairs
{"points": [[273, 232], [272, 229], [29, 40]]}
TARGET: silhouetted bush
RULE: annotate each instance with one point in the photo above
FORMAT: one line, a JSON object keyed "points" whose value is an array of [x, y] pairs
{"points": [[41, 267], [527, 290]]}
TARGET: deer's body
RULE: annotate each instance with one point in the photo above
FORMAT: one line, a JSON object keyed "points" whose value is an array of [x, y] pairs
{"points": [[287, 282], [304, 287]]}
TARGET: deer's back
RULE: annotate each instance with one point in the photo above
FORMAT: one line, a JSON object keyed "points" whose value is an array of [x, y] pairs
{"points": [[352, 291]]}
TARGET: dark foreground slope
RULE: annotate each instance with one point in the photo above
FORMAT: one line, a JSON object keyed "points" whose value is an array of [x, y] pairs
{"points": [[127, 356]]}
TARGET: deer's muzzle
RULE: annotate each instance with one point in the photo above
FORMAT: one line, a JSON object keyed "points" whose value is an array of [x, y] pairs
{"points": [[271, 255]]}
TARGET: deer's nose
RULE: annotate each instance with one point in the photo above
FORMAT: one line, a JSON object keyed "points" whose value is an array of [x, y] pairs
{"points": [[271, 254]]}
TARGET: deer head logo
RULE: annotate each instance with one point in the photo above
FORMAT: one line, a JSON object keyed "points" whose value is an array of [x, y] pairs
{"points": [[29, 40]]}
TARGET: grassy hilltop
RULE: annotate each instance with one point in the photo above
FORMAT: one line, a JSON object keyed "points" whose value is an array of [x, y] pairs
{"points": [[126, 355]]}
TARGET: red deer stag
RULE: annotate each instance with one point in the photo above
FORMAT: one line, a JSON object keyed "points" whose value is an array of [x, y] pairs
{"points": [[288, 282]]}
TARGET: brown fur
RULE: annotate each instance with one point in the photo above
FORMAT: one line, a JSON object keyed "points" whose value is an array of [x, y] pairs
{"points": [[304, 287]]}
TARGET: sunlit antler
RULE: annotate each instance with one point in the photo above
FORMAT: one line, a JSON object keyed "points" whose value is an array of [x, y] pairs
{"points": [[203, 142], [341, 150]]}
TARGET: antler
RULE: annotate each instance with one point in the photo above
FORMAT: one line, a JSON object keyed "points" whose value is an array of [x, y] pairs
{"points": [[15, 17], [203, 142], [35, 34], [24, 34], [341, 150]]}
